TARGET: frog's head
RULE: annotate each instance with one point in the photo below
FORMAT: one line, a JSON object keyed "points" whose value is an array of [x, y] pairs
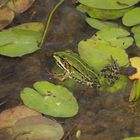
{"points": [[59, 58]]}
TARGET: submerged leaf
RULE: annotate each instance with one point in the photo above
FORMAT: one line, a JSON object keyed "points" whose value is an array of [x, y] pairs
{"points": [[103, 13], [6, 17], [132, 17], [98, 54], [99, 25], [37, 128], [10, 116], [109, 4], [19, 6], [50, 99], [117, 37], [136, 31], [18, 42]]}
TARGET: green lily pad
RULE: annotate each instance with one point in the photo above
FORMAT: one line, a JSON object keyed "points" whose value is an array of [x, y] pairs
{"points": [[99, 25], [19, 6], [136, 31], [135, 91], [18, 42], [98, 54], [37, 128], [132, 138], [50, 99], [117, 37], [132, 17], [109, 4], [103, 13]]}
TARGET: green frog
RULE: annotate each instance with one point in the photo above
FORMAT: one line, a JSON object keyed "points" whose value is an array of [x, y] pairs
{"points": [[75, 68]]}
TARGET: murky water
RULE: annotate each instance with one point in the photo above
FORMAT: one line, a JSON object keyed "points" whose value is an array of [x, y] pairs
{"points": [[102, 116]]}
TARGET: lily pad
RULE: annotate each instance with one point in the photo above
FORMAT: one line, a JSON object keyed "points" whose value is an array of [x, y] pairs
{"points": [[132, 138], [50, 99], [135, 62], [136, 31], [6, 17], [98, 54], [18, 42], [33, 26], [103, 13], [117, 37], [19, 6], [132, 17], [99, 25], [37, 128], [109, 4]]}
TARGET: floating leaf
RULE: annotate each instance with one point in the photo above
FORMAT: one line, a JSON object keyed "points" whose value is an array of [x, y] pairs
{"points": [[33, 26], [18, 42], [103, 13], [50, 99], [117, 37], [135, 62], [136, 31], [132, 17], [6, 17], [98, 54], [37, 128], [19, 6], [132, 138], [10, 116], [99, 25], [109, 4]]}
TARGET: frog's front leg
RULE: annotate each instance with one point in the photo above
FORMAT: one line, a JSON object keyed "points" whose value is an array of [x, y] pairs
{"points": [[62, 76]]}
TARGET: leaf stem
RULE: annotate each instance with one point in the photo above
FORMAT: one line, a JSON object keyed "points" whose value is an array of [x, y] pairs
{"points": [[48, 22]]}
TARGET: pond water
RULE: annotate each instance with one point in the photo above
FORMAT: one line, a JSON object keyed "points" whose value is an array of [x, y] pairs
{"points": [[102, 116]]}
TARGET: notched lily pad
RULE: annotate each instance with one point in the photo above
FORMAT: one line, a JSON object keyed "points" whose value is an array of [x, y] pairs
{"points": [[109, 4], [99, 25], [37, 128], [6, 17], [132, 17], [19, 6], [117, 37], [103, 13], [50, 99]]}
